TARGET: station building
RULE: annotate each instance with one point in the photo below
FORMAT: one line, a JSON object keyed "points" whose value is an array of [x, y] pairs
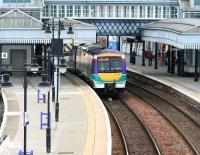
{"points": [[22, 37]]}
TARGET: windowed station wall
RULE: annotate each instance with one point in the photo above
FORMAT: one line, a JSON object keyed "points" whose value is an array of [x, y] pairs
{"points": [[110, 11], [16, 1]]}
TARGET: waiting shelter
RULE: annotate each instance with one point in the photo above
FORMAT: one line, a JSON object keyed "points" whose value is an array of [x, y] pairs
{"points": [[183, 39]]}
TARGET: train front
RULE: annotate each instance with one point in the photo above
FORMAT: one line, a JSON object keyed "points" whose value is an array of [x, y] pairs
{"points": [[109, 71]]}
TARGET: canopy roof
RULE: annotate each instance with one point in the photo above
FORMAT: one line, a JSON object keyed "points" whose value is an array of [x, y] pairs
{"points": [[114, 1], [181, 33], [176, 25], [17, 27], [18, 19]]}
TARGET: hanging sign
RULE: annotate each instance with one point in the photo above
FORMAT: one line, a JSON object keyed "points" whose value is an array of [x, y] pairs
{"points": [[4, 55]]}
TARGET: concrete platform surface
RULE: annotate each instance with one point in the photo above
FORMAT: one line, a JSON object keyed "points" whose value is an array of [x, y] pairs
{"points": [[83, 127], [185, 85]]}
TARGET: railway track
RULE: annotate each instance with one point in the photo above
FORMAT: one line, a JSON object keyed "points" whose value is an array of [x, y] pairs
{"points": [[187, 126], [119, 145], [168, 94], [138, 138]]}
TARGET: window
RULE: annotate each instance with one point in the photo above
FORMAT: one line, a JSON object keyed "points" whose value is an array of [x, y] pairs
{"points": [[46, 11], [61, 10], [69, 10], [192, 15], [102, 11], [16, 1], [93, 11], [35, 14], [110, 11], [133, 12], [158, 12], [165, 12], [196, 2], [126, 11], [77, 11], [117, 11], [53, 11], [142, 11], [173, 12], [150, 12], [109, 64], [85, 10]]}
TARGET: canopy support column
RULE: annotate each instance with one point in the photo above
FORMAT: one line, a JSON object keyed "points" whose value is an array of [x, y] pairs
{"points": [[143, 53], [156, 54], [196, 74], [168, 59], [173, 60]]}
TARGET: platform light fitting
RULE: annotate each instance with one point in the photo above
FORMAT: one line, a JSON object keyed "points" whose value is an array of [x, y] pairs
{"points": [[62, 66], [5, 82], [48, 29], [44, 85], [34, 65], [70, 31]]}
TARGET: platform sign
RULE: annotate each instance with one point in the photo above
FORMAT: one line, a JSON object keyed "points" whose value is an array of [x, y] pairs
{"points": [[57, 47], [4, 55], [26, 119]]}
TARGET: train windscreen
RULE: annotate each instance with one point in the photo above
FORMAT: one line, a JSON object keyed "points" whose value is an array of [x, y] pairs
{"points": [[109, 64]]}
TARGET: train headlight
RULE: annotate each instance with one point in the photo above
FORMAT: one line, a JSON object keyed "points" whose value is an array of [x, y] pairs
{"points": [[62, 69]]}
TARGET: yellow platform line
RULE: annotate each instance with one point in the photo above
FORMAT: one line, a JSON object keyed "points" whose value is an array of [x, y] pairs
{"points": [[91, 127]]}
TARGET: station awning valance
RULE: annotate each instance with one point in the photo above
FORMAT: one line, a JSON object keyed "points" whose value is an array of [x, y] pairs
{"points": [[180, 33], [25, 41]]}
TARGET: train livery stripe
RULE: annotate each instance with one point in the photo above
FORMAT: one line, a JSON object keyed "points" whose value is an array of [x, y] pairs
{"points": [[97, 78], [109, 55], [110, 76]]}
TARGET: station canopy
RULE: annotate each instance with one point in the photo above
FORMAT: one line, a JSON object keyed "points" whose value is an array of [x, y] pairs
{"points": [[180, 33], [17, 27]]}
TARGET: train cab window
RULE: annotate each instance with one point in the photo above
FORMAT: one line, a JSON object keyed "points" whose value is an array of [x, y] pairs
{"points": [[111, 64], [116, 64]]}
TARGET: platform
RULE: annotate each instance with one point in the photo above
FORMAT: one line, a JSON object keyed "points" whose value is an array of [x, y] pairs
{"points": [[185, 85], [83, 126]]}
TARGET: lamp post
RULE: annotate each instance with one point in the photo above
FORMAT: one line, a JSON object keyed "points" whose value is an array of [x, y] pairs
{"points": [[60, 68], [25, 85], [55, 47], [26, 121], [47, 28], [34, 68], [70, 35], [57, 103], [45, 86], [6, 82], [25, 106], [48, 130], [53, 86]]}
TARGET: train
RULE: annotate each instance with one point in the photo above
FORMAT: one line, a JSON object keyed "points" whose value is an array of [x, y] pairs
{"points": [[104, 67]]}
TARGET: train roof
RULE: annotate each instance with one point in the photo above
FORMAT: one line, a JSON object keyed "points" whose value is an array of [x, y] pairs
{"points": [[95, 49]]}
